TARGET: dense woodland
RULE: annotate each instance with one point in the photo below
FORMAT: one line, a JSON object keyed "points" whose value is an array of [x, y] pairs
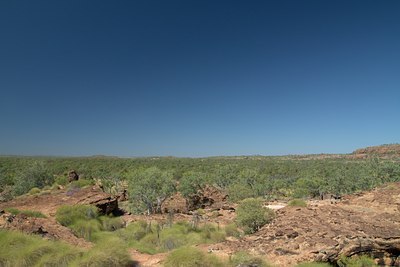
{"points": [[150, 180]]}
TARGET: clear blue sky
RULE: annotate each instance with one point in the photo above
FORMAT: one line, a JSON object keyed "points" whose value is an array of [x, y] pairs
{"points": [[198, 78]]}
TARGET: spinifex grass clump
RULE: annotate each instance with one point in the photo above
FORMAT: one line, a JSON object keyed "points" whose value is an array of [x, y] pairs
{"points": [[243, 258], [68, 215], [314, 264], [297, 203], [193, 257], [17, 249], [21, 250], [154, 237], [28, 213], [84, 220]]}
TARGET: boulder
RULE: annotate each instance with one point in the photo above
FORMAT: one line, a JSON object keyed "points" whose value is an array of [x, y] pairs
{"points": [[73, 176]]}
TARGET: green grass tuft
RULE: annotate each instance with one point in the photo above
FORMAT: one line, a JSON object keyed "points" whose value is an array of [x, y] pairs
{"points": [[297, 203], [243, 258], [28, 213], [313, 264], [68, 215], [191, 257], [22, 250], [34, 191]]}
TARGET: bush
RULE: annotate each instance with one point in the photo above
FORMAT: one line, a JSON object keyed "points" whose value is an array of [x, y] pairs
{"points": [[313, 264], [61, 180], [81, 183], [28, 213], [22, 250], [18, 249], [156, 238], [111, 223], [243, 258], [356, 261], [68, 215], [35, 175], [191, 257], [111, 252], [34, 191], [252, 215], [297, 203], [85, 228], [231, 230], [238, 192]]}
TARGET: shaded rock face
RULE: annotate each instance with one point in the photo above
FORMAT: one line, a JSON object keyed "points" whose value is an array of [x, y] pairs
{"points": [[209, 197], [106, 203], [175, 204], [73, 176]]}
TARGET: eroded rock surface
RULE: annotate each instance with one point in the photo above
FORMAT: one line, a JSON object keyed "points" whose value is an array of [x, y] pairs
{"points": [[364, 223]]}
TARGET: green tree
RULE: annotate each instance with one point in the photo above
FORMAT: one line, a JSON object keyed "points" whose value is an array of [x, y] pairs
{"points": [[148, 189], [191, 182], [252, 215]]}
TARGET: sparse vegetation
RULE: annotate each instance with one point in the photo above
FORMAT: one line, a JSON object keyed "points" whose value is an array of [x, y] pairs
{"points": [[248, 181], [252, 215], [297, 203], [243, 258], [356, 261], [34, 191], [69, 215], [191, 257], [17, 249], [153, 238], [150, 188], [28, 213], [313, 264]]}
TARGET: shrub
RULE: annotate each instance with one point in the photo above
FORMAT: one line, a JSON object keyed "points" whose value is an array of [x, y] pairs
{"points": [[28, 213], [313, 264], [36, 175], [251, 215], [68, 215], [297, 203], [238, 192], [231, 230], [85, 228], [81, 183], [154, 238], [243, 258], [61, 180], [22, 250], [110, 252], [18, 249], [356, 261], [111, 223], [34, 191], [191, 257]]}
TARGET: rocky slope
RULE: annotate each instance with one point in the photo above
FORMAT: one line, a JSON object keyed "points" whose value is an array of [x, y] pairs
{"points": [[324, 231], [383, 151]]}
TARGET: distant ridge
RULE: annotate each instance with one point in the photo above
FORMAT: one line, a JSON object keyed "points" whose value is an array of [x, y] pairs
{"points": [[386, 151]]}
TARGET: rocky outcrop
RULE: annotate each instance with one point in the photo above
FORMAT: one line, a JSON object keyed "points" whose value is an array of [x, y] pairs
{"points": [[106, 203], [45, 227], [73, 176], [383, 151], [208, 197], [367, 223]]}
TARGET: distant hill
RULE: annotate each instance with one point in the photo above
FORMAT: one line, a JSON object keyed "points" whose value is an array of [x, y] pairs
{"points": [[384, 151]]}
